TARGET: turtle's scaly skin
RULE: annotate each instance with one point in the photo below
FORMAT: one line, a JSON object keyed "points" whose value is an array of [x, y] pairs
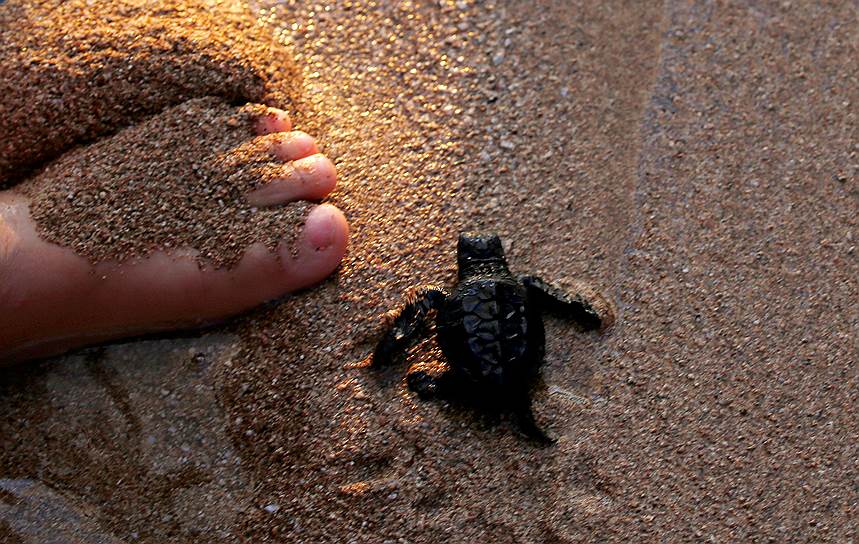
{"points": [[486, 327], [490, 329]]}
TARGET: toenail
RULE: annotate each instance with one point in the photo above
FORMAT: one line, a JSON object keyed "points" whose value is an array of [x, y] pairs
{"points": [[294, 146], [320, 229], [316, 169], [307, 165], [272, 121]]}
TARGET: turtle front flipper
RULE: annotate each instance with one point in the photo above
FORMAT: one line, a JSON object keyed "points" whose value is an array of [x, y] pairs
{"points": [[409, 324], [590, 312]]}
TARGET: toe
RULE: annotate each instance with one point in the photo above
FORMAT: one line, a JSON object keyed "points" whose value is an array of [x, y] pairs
{"points": [[264, 275], [324, 230], [320, 250], [294, 145], [183, 292], [273, 120], [195, 295], [310, 178], [62, 301]]}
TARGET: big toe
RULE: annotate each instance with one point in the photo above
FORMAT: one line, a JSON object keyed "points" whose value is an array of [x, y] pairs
{"points": [[54, 300], [196, 295], [294, 266]]}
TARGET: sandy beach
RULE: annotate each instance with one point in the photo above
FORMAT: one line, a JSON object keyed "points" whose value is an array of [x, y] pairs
{"points": [[697, 163]]}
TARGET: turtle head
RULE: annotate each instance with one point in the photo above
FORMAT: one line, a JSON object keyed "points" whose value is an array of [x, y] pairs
{"points": [[479, 254]]}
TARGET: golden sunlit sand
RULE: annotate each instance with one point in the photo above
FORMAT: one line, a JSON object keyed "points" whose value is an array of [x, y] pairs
{"points": [[698, 163]]}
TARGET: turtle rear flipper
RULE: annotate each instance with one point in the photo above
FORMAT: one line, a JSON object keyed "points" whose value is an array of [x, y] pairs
{"points": [[528, 425], [430, 385]]}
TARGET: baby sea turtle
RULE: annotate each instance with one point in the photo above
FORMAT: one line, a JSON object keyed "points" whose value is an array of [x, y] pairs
{"points": [[490, 329]]}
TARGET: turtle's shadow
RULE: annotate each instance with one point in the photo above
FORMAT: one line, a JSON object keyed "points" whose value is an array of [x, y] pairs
{"points": [[459, 401]]}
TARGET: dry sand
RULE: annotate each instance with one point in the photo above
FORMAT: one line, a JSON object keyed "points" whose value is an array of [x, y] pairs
{"points": [[176, 180], [70, 72], [698, 163]]}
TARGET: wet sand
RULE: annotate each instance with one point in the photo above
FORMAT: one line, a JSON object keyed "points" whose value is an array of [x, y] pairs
{"points": [[698, 164]]}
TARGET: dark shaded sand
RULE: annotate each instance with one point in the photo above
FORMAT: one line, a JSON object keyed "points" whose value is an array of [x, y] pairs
{"points": [[697, 163]]}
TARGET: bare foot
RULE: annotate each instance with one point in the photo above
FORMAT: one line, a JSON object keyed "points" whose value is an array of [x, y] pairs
{"points": [[53, 299]]}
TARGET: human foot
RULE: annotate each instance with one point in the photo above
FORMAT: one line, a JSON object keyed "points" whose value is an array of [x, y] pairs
{"points": [[76, 70], [53, 298]]}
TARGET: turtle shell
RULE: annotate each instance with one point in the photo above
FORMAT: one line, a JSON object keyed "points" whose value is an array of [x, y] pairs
{"points": [[486, 334]]}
